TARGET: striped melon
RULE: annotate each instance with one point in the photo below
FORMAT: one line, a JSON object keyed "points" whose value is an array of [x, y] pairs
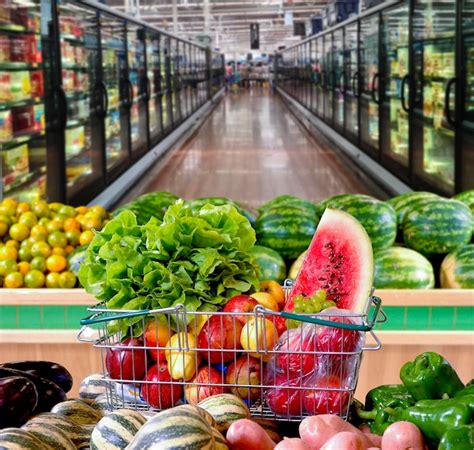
{"points": [[50, 435], [271, 264], [404, 203], [334, 200], [437, 226], [102, 404], [286, 229], [219, 441], [270, 427], [177, 428], [467, 197], [225, 408], [78, 411], [457, 269], [91, 387], [78, 434], [378, 218], [19, 439], [402, 268], [116, 430], [290, 200]]}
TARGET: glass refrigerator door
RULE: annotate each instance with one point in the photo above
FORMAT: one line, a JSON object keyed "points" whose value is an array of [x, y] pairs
{"points": [[22, 109], [114, 71], [177, 82], [369, 95], [137, 80], [173, 80], [351, 90], [434, 136], [395, 101], [467, 125], [339, 78], [314, 75], [154, 85], [165, 83], [307, 74], [80, 64], [321, 78], [185, 80], [194, 83], [328, 79]]}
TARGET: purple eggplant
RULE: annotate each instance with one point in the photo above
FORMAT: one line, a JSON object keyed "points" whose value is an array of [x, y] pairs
{"points": [[18, 400], [45, 369], [49, 393]]}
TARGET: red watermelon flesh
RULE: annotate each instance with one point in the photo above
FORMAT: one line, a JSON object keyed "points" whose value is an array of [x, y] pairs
{"points": [[340, 261]]}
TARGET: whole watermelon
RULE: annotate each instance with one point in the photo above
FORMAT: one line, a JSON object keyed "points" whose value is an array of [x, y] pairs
{"points": [[335, 199], [437, 226], [290, 200], [404, 203], [457, 268], [198, 203], [153, 204], [271, 264], [286, 229], [467, 197], [378, 218], [402, 268]]}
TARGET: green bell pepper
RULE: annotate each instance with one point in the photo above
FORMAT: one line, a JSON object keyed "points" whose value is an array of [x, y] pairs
{"points": [[468, 390], [430, 376], [379, 398], [460, 438], [434, 417]]}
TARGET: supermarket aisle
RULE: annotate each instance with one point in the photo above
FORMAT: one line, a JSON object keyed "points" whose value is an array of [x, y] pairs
{"points": [[252, 149]]}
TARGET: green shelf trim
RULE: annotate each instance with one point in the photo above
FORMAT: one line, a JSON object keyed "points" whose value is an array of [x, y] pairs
{"points": [[400, 318]]}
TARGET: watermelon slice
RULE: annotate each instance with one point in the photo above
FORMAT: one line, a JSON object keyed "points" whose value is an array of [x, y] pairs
{"points": [[340, 261]]}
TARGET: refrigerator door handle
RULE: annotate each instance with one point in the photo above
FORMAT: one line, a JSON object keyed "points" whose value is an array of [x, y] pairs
{"points": [[355, 84], [323, 80], [447, 94], [62, 108], [148, 89], [405, 80], [105, 98], [130, 93], [375, 79], [333, 80], [342, 82]]}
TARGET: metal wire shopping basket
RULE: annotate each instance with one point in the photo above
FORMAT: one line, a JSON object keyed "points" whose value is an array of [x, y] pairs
{"points": [[312, 369]]}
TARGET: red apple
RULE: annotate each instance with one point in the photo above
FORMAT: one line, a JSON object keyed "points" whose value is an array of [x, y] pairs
{"points": [[201, 386], [298, 352], [125, 363], [323, 401], [244, 372], [161, 395], [219, 333], [157, 335], [241, 303], [284, 399], [337, 340]]}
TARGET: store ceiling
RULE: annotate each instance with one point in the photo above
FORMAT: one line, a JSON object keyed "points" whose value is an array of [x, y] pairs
{"points": [[227, 21]]}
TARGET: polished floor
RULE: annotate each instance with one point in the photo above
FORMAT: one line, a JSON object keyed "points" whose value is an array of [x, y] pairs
{"points": [[252, 149]]}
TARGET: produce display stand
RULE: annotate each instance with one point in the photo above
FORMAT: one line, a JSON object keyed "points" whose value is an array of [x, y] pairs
{"points": [[43, 324]]}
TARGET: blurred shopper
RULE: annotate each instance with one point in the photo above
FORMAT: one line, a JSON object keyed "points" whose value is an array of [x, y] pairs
{"points": [[229, 72], [244, 76]]}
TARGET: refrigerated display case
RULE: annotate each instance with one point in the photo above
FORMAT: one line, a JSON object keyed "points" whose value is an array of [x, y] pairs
{"points": [[22, 99], [404, 76], [100, 82], [395, 69], [434, 43]]}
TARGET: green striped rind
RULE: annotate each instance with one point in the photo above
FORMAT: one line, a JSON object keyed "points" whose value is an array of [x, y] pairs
{"points": [[198, 203], [402, 268], [290, 200], [467, 197], [334, 200], [437, 226], [457, 269], [116, 430], [78, 411], [19, 439], [91, 387], [219, 441], [271, 264], [177, 428], [405, 202], [378, 218], [78, 434], [226, 409], [50, 435], [102, 404], [286, 229], [153, 204], [270, 427]]}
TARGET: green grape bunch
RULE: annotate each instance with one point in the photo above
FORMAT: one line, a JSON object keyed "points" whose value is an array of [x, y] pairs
{"points": [[309, 305]]}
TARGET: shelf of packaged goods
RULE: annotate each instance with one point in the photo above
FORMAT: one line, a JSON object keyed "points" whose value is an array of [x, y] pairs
{"points": [[24, 179], [72, 38], [437, 78], [76, 96], [74, 123], [17, 29], [19, 66], [428, 121], [25, 102], [21, 138], [67, 66]]}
